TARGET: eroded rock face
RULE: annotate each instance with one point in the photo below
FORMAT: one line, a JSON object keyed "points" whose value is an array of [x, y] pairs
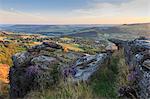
{"points": [[85, 67], [137, 56], [21, 59], [43, 62], [42, 66], [142, 74]]}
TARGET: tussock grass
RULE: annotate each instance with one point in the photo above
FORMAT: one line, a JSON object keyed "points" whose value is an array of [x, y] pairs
{"points": [[111, 77], [104, 84], [65, 90], [123, 69]]}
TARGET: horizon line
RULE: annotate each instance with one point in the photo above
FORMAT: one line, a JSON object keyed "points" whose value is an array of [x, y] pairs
{"points": [[72, 23]]}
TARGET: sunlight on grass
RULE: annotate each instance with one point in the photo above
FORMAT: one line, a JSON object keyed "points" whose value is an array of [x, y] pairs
{"points": [[66, 39], [6, 53], [4, 70], [34, 43], [72, 47]]}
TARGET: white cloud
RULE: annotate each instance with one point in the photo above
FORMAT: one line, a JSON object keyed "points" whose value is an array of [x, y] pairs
{"points": [[96, 12], [15, 16], [132, 8]]}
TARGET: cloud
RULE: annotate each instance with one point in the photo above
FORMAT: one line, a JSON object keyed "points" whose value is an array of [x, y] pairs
{"points": [[132, 8], [96, 12], [15, 16]]}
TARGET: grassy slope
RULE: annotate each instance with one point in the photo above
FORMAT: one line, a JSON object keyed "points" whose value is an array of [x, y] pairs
{"points": [[91, 31]]}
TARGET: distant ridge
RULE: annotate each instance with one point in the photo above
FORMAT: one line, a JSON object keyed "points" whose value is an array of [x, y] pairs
{"points": [[137, 24], [89, 31]]}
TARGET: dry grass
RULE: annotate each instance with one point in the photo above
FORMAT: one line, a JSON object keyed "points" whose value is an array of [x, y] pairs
{"points": [[72, 47], [7, 52], [2, 38], [34, 43], [3, 90], [4, 70], [65, 90], [66, 39], [123, 70]]}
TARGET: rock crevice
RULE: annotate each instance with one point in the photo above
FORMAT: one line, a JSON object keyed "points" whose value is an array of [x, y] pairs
{"points": [[137, 56]]}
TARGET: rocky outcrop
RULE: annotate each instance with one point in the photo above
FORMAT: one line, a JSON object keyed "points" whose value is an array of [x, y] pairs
{"points": [[33, 69], [42, 66], [137, 56], [85, 67]]}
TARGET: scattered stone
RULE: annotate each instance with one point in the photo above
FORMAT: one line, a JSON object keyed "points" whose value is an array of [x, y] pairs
{"points": [[111, 47], [45, 46], [52, 45]]}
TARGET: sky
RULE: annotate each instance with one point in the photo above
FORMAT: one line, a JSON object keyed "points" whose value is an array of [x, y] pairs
{"points": [[74, 11]]}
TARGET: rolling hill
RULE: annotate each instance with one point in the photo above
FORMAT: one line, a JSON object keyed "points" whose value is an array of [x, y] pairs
{"points": [[85, 31]]}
